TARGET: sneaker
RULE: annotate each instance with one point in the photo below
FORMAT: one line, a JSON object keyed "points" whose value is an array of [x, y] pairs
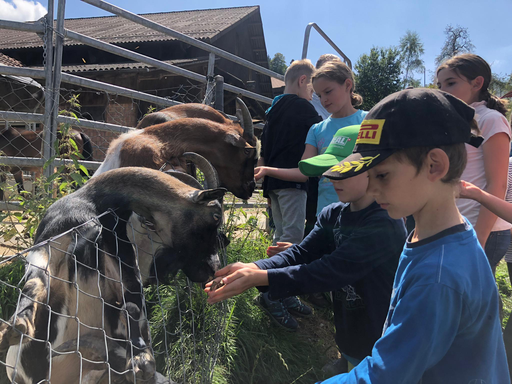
{"points": [[277, 312], [296, 307]]}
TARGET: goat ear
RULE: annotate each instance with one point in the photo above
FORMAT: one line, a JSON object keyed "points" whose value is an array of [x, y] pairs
{"points": [[207, 195], [235, 140]]}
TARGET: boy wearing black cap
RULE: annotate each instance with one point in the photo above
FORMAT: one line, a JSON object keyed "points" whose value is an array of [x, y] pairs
{"points": [[443, 323], [353, 251]]}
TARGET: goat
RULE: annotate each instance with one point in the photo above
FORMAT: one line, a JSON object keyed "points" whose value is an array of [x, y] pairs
{"points": [[28, 144], [231, 149], [81, 243]]}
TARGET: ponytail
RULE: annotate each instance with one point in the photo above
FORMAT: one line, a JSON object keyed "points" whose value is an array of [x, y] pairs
{"points": [[493, 102], [356, 99]]}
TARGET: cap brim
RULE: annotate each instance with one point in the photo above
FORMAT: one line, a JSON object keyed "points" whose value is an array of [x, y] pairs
{"points": [[356, 164], [316, 165]]}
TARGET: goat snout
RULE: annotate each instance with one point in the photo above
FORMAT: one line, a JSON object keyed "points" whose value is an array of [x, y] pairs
{"points": [[144, 366]]}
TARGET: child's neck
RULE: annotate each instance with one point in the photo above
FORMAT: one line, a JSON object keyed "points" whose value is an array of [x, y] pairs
{"points": [[291, 89], [362, 203], [347, 110], [435, 216]]}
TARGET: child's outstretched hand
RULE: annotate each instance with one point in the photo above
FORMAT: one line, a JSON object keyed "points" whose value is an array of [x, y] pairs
{"points": [[279, 247], [260, 172], [469, 191], [233, 280]]}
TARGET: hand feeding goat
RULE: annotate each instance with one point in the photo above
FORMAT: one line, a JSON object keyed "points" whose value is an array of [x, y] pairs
{"points": [[231, 149], [82, 300]]}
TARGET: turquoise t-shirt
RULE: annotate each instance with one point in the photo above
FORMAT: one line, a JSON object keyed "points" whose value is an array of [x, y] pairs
{"points": [[320, 136]]}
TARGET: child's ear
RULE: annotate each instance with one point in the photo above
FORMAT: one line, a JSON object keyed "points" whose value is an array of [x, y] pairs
{"points": [[303, 80], [349, 84], [437, 163], [477, 83]]}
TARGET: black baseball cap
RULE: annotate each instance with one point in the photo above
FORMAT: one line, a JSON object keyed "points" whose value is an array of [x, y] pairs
{"points": [[419, 117]]}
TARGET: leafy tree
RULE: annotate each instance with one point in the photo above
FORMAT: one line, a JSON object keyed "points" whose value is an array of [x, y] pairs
{"points": [[411, 48], [378, 75], [500, 84], [457, 42], [278, 63]]}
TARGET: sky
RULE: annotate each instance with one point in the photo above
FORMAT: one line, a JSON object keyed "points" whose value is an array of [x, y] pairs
{"points": [[355, 26]]}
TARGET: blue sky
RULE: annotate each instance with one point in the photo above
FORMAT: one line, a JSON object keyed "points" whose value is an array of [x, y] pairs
{"points": [[355, 26]]}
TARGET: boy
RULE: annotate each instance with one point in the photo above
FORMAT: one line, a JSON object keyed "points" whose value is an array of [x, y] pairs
{"points": [[282, 143], [352, 251], [443, 323]]}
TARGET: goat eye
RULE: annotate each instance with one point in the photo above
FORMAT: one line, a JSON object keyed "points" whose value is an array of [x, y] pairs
{"points": [[217, 216], [248, 151], [149, 225]]}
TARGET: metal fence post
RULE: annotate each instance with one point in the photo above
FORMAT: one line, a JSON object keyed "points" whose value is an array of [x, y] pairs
{"points": [[209, 85], [48, 86], [57, 75], [219, 93]]}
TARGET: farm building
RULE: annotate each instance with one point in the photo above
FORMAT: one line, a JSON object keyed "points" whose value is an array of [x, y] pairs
{"points": [[236, 30]]}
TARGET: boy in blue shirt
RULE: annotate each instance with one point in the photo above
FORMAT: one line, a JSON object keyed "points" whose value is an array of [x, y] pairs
{"points": [[443, 322]]}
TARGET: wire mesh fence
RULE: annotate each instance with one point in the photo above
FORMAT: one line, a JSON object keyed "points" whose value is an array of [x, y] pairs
{"points": [[72, 311]]}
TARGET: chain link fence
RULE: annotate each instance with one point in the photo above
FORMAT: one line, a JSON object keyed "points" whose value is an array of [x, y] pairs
{"points": [[186, 333], [48, 114]]}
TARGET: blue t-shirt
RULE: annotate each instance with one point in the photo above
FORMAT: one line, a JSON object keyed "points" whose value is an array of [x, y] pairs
{"points": [[443, 324], [320, 136]]}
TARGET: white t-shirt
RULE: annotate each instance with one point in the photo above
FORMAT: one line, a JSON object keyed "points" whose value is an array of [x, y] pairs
{"points": [[490, 123], [508, 198]]}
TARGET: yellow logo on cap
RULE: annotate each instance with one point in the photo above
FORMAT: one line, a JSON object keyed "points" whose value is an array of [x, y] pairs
{"points": [[370, 131]]}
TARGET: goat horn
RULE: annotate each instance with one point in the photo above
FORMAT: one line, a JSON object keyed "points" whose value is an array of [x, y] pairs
{"points": [[186, 178], [210, 174], [246, 119]]}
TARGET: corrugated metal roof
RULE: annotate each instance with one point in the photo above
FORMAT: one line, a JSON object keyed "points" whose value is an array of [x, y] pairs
{"points": [[131, 66], [201, 24]]}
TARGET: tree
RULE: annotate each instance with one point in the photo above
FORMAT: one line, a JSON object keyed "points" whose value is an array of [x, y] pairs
{"points": [[411, 48], [278, 63], [378, 75], [457, 42]]}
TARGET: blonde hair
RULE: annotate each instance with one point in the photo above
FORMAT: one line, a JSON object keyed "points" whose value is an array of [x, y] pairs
{"points": [[297, 69], [339, 72], [326, 58]]}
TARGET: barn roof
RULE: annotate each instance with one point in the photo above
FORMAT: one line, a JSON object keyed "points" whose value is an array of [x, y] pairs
{"points": [[207, 25], [6, 60]]}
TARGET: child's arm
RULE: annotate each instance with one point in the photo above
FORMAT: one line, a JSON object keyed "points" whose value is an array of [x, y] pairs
{"points": [[287, 174], [494, 204], [495, 152], [238, 278], [417, 335]]}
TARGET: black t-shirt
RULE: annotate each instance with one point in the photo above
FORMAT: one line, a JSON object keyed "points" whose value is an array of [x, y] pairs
{"points": [[352, 254], [284, 136]]}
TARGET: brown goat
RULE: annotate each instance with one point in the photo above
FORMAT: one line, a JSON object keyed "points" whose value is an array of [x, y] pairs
{"points": [[231, 149]]}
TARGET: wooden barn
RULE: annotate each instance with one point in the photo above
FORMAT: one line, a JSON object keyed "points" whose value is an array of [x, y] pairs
{"points": [[237, 30]]}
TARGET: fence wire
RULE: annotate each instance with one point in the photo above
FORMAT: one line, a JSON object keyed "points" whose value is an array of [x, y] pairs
{"points": [[20, 94], [185, 335]]}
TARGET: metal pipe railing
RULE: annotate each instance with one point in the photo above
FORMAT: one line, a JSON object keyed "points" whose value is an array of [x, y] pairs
{"points": [[38, 118], [157, 63], [36, 26], [326, 38]]}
